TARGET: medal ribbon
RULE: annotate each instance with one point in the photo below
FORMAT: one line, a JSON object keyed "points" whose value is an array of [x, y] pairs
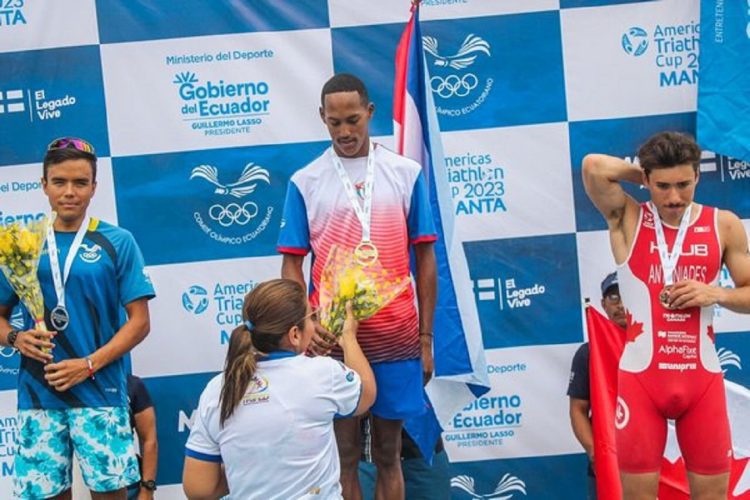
{"points": [[363, 211], [669, 260], [54, 259]]}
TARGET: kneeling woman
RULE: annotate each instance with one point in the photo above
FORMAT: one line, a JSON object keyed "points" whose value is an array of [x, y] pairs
{"points": [[264, 428]]}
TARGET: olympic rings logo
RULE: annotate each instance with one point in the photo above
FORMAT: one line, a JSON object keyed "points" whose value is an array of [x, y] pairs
{"points": [[453, 85], [234, 213]]}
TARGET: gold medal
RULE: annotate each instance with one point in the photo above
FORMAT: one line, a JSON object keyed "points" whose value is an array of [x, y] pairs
{"points": [[664, 297], [366, 253]]}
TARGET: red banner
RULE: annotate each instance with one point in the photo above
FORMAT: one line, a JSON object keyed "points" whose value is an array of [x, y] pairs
{"points": [[606, 342]]}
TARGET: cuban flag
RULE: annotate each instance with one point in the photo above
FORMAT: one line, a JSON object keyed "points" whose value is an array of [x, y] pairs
{"points": [[460, 368]]}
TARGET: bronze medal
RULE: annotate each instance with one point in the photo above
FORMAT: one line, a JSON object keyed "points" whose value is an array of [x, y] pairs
{"points": [[664, 297]]}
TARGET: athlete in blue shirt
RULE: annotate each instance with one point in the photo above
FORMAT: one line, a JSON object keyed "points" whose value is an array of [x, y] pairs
{"points": [[72, 391]]}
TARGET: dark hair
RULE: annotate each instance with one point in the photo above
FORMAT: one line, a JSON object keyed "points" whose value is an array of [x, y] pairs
{"points": [[344, 82], [272, 308], [669, 149], [56, 156]]}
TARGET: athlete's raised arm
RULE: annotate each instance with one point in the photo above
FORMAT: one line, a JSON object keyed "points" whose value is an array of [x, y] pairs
{"points": [[602, 175]]}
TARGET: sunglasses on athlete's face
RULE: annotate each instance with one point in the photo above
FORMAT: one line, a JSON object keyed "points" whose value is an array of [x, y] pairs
{"points": [[613, 298], [71, 143]]}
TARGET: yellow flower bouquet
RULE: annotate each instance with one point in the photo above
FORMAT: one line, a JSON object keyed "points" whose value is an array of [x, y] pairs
{"points": [[20, 249], [369, 287]]}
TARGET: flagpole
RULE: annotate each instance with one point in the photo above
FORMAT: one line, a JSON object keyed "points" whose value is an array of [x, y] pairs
{"points": [[460, 367]]}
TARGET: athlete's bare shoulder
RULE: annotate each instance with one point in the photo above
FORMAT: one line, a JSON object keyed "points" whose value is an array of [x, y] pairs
{"points": [[730, 228]]}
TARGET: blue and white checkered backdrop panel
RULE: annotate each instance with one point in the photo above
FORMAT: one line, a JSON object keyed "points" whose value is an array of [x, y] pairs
{"points": [[179, 102]]}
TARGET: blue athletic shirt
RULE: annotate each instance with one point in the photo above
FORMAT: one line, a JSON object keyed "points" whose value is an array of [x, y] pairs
{"points": [[107, 274]]}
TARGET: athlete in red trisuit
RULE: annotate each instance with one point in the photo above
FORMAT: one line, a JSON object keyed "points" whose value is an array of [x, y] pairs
{"points": [[669, 253]]}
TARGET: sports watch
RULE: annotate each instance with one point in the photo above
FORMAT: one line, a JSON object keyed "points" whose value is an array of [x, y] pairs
{"points": [[12, 336], [150, 485]]}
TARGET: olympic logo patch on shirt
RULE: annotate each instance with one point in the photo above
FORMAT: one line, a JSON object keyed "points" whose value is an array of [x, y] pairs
{"points": [[258, 391], [90, 253]]}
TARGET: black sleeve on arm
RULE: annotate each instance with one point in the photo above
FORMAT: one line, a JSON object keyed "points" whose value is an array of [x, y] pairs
{"points": [[138, 395], [578, 387]]}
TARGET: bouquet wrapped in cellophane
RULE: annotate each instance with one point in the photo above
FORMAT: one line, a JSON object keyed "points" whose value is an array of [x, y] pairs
{"points": [[370, 287], [20, 249]]}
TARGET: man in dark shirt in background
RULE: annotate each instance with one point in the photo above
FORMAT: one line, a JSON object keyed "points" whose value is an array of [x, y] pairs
{"points": [[143, 422], [578, 387]]}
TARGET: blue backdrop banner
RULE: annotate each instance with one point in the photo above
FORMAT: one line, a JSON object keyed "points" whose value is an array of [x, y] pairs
{"points": [[201, 111], [724, 91]]}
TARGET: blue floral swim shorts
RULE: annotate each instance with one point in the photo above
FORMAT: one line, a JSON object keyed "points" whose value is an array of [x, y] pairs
{"points": [[101, 438]]}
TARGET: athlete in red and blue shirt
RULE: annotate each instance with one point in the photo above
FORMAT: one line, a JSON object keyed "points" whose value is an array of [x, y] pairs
{"points": [[669, 368], [320, 212]]}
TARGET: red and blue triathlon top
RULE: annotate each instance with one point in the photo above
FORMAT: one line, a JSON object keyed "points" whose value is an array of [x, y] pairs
{"points": [[318, 214]]}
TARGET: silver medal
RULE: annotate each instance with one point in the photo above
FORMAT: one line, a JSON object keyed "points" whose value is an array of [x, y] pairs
{"points": [[59, 318]]}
